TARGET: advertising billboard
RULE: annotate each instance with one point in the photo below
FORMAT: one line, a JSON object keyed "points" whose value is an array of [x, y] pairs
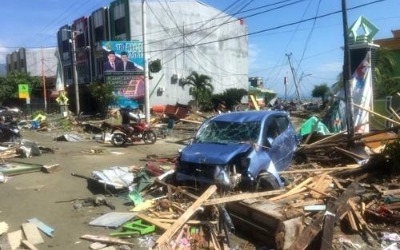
{"points": [[123, 68], [128, 52]]}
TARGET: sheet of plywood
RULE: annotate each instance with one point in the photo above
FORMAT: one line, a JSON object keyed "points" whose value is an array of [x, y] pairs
{"points": [[14, 239], [112, 220], [32, 233]]}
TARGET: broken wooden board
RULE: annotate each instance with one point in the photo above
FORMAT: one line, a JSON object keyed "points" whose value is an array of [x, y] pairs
{"points": [[32, 233], [105, 239]]}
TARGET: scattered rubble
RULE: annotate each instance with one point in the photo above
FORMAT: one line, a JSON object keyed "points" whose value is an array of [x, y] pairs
{"points": [[339, 194]]}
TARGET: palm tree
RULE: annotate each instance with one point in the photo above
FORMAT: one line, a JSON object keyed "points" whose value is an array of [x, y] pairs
{"points": [[385, 65], [200, 87]]}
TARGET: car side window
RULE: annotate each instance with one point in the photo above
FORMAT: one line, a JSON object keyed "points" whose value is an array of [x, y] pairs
{"points": [[272, 131], [282, 123]]}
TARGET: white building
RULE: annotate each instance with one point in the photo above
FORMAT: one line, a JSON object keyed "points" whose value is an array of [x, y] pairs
{"points": [[37, 62], [189, 36]]}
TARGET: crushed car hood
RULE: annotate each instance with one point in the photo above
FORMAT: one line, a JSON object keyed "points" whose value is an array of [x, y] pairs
{"points": [[209, 153]]}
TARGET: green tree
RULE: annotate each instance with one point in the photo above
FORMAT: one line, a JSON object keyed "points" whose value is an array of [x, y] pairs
{"points": [[201, 88], [385, 82], [320, 91], [103, 93], [9, 84]]}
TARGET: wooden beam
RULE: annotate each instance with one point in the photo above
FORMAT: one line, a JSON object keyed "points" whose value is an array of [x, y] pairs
{"points": [[297, 189], [313, 170], [185, 216], [155, 222], [239, 197], [377, 114], [190, 222], [333, 212]]}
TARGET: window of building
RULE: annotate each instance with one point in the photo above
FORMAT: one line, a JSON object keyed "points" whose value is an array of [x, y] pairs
{"points": [[120, 26]]}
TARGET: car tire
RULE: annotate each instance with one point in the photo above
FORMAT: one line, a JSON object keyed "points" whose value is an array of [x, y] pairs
{"points": [[266, 181]]}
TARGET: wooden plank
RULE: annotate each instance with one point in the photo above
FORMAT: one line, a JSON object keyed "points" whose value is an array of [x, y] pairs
{"points": [[320, 193], [352, 221], [51, 168], [313, 170], [105, 239], [29, 245], [297, 189], [333, 212], [32, 233], [239, 197], [157, 223], [338, 185], [363, 223], [391, 192], [189, 222], [14, 239], [185, 216], [377, 114], [320, 186], [176, 189]]}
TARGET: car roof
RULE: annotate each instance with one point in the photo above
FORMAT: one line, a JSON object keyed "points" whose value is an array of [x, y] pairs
{"points": [[248, 116]]}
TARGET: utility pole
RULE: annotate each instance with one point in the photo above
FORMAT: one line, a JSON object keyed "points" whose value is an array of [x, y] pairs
{"points": [[44, 84], [73, 33], [145, 66], [347, 78], [294, 77], [285, 83]]}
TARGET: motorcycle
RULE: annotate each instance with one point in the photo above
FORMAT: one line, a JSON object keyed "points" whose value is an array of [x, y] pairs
{"points": [[141, 132], [9, 132]]}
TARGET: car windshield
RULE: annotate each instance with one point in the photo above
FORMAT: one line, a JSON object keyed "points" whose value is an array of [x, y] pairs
{"points": [[228, 132]]}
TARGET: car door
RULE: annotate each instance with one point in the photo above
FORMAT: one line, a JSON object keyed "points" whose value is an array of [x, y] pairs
{"points": [[281, 139]]}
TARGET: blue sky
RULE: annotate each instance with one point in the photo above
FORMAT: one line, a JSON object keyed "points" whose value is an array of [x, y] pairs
{"points": [[275, 29]]}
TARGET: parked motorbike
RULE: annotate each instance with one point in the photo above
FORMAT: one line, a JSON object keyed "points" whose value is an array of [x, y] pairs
{"points": [[141, 132], [9, 132]]}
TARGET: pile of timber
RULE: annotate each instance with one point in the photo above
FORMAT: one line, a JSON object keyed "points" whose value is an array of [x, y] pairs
{"points": [[338, 147], [185, 220], [303, 215]]}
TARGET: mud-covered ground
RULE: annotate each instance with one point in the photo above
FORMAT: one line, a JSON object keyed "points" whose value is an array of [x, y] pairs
{"points": [[50, 197]]}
